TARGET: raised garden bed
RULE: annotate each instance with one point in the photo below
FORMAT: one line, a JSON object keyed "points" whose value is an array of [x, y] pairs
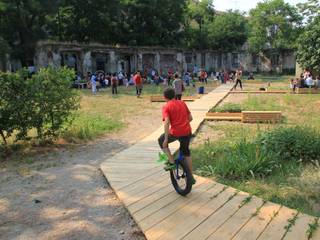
{"points": [[159, 98], [307, 90], [246, 116], [265, 92]]}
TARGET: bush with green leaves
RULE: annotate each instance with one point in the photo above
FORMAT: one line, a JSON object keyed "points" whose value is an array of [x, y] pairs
{"points": [[15, 105], [44, 102], [294, 143], [228, 107], [54, 100]]}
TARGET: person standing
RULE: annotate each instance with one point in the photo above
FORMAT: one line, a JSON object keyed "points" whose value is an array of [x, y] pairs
{"points": [[178, 87], [94, 83], [138, 83], [114, 84], [238, 78]]}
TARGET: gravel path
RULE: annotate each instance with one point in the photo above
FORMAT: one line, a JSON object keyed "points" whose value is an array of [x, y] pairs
{"points": [[64, 195]]}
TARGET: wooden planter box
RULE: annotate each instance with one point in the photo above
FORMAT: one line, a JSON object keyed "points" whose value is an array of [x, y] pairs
{"points": [[160, 98], [261, 116], [246, 116], [307, 90], [263, 92], [223, 116]]}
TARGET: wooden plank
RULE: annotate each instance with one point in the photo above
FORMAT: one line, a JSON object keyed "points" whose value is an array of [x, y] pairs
{"points": [[135, 207], [299, 228], [257, 223], [192, 219], [171, 197], [276, 228], [212, 223], [237, 221], [134, 180], [160, 230], [149, 189], [172, 207]]}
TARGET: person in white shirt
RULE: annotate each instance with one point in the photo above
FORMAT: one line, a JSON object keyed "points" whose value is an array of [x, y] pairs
{"points": [[309, 81]]}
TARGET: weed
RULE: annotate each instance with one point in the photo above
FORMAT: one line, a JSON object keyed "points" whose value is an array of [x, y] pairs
{"points": [[312, 228], [291, 222], [245, 201]]}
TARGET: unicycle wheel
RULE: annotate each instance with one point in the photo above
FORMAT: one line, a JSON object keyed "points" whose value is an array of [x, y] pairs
{"points": [[181, 178]]}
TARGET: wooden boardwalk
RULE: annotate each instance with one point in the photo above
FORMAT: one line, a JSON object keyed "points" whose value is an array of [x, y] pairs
{"points": [[210, 211]]}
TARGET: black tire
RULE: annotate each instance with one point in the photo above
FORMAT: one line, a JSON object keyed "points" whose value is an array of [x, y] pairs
{"points": [[182, 183]]}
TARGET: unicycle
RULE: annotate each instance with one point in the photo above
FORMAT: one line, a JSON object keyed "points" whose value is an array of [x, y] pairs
{"points": [[181, 177]]}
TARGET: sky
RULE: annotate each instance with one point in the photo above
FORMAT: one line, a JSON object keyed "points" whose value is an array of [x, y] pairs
{"points": [[243, 5]]}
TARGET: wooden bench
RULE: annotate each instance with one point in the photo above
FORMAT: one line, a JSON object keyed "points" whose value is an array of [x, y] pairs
{"points": [[223, 116], [261, 116], [307, 90], [160, 98]]}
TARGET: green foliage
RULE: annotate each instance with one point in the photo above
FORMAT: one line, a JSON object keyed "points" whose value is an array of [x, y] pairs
{"points": [[240, 160], [54, 101], [43, 101], [308, 54], [228, 31], [22, 24], [274, 24], [228, 107], [15, 105], [87, 127], [295, 143], [309, 9]]}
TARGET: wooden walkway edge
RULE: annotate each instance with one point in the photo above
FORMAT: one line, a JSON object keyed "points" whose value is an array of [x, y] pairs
{"points": [[210, 211]]}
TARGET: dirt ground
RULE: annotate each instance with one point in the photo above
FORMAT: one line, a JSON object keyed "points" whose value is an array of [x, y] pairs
{"points": [[63, 195]]}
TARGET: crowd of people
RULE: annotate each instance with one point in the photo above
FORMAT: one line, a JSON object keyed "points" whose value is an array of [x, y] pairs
{"points": [[306, 80], [99, 79]]}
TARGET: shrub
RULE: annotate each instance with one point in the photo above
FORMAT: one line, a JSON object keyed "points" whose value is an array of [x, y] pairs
{"points": [[292, 143], [44, 102], [228, 107], [15, 105], [54, 100]]}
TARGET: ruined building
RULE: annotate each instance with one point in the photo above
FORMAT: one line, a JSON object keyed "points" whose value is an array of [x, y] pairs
{"points": [[93, 57]]}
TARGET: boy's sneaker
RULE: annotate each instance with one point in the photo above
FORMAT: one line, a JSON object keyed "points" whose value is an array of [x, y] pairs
{"points": [[169, 166]]}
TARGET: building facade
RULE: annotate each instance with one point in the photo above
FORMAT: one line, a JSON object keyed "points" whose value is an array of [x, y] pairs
{"points": [[94, 57]]}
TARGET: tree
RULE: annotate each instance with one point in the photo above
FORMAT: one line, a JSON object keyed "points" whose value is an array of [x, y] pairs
{"points": [[308, 54], [22, 24], [198, 16], [228, 31], [151, 22], [309, 9], [275, 25], [85, 21]]}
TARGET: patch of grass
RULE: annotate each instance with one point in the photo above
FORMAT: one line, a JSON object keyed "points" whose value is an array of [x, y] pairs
{"points": [[228, 107], [86, 127], [312, 228], [261, 103]]}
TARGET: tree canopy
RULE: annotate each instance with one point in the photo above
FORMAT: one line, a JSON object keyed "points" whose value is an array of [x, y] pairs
{"points": [[274, 24], [183, 23]]}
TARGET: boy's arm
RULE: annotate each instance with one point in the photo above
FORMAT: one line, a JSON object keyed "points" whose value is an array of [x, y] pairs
{"points": [[190, 117]]}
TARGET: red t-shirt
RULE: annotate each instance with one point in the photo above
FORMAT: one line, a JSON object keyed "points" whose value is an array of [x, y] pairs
{"points": [[137, 79], [178, 114]]}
